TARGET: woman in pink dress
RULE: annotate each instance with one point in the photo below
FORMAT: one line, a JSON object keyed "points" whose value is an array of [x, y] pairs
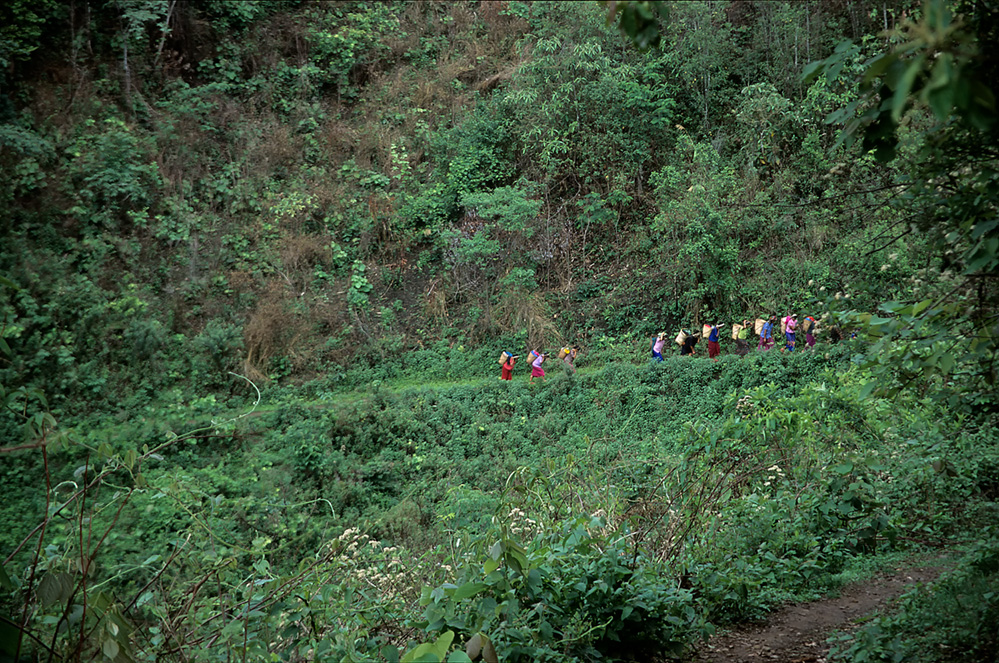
{"points": [[536, 370], [790, 322]]}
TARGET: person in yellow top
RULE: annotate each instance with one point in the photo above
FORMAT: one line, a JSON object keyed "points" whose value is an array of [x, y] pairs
{"points": [[568, 355], [741, 340]]}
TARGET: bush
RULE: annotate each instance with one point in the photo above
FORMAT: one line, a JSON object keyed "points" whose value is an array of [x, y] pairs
{"points": [[578, 592]]}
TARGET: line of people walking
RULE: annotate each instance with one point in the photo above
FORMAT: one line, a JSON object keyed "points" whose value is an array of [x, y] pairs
{"points": [[763, 328], [567, 355]]}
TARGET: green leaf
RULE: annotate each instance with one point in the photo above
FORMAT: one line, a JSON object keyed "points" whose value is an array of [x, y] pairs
{"points": [[430, 652], [443, 643], [843, 468], [941, 89], [878, 66], [983, 227], [5, 581], [892, 307], [901, 95], [458, 657], [468, 589], [10, 636], [54, 587], [812, 71], [517, 561], [110, 649]]}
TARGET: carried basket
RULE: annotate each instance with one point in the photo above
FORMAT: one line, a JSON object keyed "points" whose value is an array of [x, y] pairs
{"points": [[758, 325], [503, 357], [681, 337], [807, 324], [735, 332], [706, 331]]}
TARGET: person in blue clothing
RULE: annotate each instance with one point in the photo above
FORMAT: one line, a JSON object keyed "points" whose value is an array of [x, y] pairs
{"points": [[767, 335], [713, 348]]}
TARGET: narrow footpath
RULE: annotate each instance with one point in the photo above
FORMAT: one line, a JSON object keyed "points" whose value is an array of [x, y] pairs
{"points": [[797, 633]]}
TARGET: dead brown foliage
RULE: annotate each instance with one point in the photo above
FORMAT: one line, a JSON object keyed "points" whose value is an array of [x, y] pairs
{"points": [[435, 304], [519, 309], [339, 139], [269, 146], [271, 331], [301, 253]]}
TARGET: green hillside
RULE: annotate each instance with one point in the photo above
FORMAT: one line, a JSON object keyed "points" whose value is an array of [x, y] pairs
{"points": [[258, 261]]}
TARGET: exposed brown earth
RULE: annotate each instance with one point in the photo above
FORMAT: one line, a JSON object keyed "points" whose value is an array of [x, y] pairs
{"points": [[797, 633]]}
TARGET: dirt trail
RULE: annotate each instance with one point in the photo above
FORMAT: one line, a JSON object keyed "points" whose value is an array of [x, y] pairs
{"points": [[797, 633]]}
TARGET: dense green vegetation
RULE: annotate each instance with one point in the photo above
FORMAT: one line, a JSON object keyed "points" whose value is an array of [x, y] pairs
{"points": [[259, 259]]}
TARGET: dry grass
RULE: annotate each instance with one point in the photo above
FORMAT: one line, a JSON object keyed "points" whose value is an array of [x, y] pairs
{"points": [[271, 331], [435, 304], [430, 93], [270, 145], [339, 140], [518, 309], [301, 253]]}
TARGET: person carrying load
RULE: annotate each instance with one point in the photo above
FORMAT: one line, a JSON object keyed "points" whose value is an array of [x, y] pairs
{"points": [[536, 370], [739, 334], [687, 348], [507, 362], [767, 335], [714, 349], [808, 324], [568, 357], [657, 346], [790, 322]]}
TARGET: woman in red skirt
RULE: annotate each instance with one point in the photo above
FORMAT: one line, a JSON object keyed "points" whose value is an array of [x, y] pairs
{"points": [[508, 367]]}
